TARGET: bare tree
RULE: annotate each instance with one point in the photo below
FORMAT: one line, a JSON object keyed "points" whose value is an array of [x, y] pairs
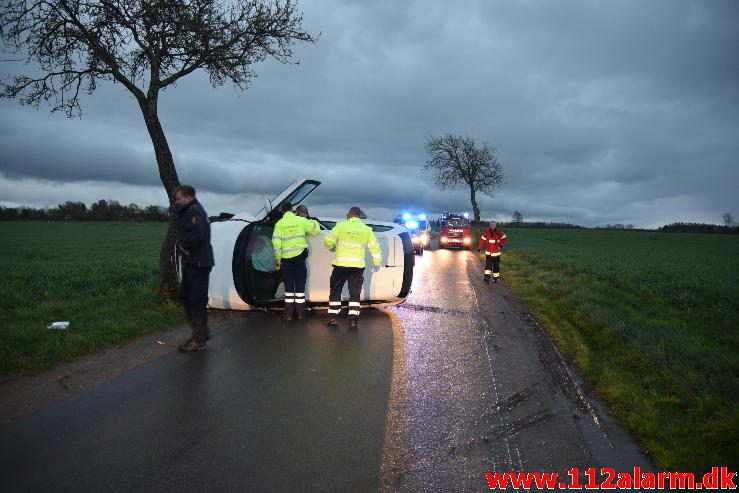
{"points": [[459, 160], [517, 217], [728, 219], [146, 46]]}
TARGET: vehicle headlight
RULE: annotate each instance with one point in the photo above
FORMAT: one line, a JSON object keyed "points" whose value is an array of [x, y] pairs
{"points": [[466, 240], [443, 239], [424, 238]]}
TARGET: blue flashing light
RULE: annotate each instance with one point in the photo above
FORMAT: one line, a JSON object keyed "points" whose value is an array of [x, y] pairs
{"points": [[406, 216], [422, 217], [411, 224]]}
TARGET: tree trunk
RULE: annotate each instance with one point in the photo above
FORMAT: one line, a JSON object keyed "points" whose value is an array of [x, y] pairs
{"points": [[475, 214], [168, 281]]}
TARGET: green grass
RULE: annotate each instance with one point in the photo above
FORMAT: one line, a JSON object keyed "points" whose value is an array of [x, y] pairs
{"points": [[101, 277], [652, 321]]}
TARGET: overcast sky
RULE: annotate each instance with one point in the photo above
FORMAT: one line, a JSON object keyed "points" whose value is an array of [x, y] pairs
{"points": [[601, 112]]}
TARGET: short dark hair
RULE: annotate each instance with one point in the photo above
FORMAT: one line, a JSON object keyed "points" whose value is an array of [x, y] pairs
{"points": [[355, 212], [287, 207], [186, 190]]}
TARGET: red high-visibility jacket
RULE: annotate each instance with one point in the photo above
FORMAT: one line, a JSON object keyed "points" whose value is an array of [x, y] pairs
{"points": [[492, 241]]}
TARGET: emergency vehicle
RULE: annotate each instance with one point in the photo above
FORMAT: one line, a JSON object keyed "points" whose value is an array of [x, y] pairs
{"points": [[245, 275], [454, 231], [419, 228]]}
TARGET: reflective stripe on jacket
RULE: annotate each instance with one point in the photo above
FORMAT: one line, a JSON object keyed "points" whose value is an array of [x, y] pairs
{"points": [[492, 241], [288, 238], [350, 239]]}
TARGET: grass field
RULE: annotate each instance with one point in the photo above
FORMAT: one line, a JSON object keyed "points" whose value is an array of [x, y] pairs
{"points": [[652, 321], [99, 276]]}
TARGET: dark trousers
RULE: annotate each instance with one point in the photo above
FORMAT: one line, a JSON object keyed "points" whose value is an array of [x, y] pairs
{"points": [[194, 296], [492, 266], [294, 273], [340, 275]]}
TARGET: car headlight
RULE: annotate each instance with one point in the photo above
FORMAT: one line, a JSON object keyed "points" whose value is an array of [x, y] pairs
{"points": [[466, 240], [443, 239]]}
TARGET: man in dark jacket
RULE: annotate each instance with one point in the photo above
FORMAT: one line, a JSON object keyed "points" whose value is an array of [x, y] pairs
{"points": [[196, 255]]}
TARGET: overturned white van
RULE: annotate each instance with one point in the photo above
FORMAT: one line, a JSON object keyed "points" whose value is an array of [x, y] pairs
{"points": [[245, 275]]}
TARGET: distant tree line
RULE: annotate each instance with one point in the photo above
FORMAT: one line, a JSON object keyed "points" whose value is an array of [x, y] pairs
{"points": [[518, 222], [538, 224], [617, 226], [729, 227], [700, 228], [102, 210]]}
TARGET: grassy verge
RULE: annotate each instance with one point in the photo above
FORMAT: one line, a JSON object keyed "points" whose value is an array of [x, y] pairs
{"points": [[652, 322], [99, 276]]}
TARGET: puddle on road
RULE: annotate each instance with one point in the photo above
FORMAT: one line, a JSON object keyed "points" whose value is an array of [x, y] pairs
{"points": [[430, 309]]}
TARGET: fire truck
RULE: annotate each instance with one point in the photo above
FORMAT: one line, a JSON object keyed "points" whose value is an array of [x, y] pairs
{"points": [[454, 230]]}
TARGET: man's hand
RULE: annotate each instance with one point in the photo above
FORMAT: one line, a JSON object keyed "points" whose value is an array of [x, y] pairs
{"points": [[278, 266], [376, 268]]}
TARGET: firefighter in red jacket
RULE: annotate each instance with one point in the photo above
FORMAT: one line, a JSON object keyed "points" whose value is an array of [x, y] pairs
{"points": [[493, 240]]}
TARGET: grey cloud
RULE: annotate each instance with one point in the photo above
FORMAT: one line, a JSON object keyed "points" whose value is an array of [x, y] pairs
{"points": [[55, 153], [614, 111]]}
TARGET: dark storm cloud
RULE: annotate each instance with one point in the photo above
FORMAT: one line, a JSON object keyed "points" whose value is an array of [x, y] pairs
{"points": [[61, 157], [601, 112]]}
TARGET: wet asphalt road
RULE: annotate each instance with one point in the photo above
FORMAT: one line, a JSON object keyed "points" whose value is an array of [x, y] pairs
{"points": [[426, 396]]}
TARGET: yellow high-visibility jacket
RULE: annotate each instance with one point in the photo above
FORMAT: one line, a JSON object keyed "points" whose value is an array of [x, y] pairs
{"points": [[350, 238], [288, 238]]}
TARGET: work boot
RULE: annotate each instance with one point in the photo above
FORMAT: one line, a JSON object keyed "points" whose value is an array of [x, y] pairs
{"points": [[353, 322], [190, 339], [486, 279], [289, 310], [191, 345], [196, 342], [331, 320], [495, 280], [300, 310], [191, 315]]}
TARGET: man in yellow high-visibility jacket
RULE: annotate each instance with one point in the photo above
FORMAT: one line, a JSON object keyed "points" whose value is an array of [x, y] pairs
{"points": [[291, 250], [349, 240]]}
